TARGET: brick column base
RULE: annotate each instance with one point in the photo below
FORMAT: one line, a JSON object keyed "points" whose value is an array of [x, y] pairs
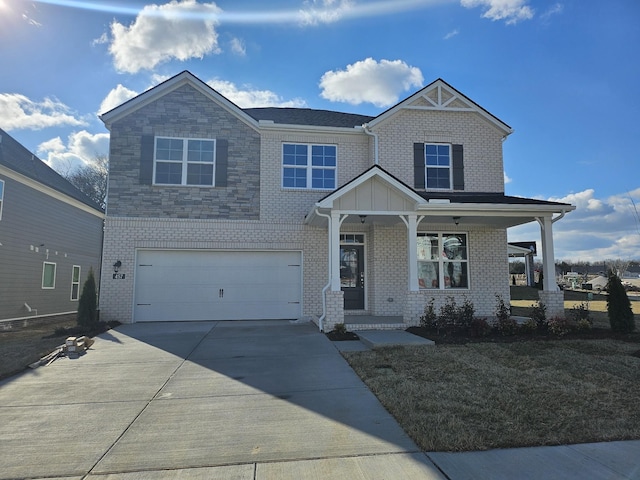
{"points": [[414, 308], [554, 301], [335, 309]]}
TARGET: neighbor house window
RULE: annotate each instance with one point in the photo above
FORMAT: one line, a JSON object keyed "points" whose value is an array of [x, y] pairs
{"points": [[443, 260], [1, 197], [184, 161], [437, 159], [309, 166], [48, 275], [75, 282]]}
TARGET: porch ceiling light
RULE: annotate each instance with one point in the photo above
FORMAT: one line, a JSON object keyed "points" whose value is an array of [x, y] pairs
{"points": [[362, 218]]}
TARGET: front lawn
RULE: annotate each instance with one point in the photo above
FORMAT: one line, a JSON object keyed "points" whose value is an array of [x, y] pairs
{"points": [[496, 395]]}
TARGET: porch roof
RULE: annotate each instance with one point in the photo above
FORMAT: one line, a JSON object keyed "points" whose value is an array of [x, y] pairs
{"points": [[383, 198]]}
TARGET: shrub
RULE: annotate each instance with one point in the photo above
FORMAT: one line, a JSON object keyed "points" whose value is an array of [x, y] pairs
{"points": [[429, 319], [580, 315], [466, 313], [479, 327], [505, 324], [88, 303], [340, 329], [618, 306], [448, 317], [559, 326], [529, 326], [539, 315]]}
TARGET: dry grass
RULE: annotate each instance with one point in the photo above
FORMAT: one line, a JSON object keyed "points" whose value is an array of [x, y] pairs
{"points": [[496, 395]]}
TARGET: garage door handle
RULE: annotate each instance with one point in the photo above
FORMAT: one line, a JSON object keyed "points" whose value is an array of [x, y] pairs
{"points": [[221, 293]]}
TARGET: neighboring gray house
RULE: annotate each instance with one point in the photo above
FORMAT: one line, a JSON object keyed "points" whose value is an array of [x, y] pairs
{"points": [[222, 213], [50, 235]]}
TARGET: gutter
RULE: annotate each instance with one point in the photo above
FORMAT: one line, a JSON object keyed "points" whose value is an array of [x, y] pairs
{"points": [[368, 131], [326, 287]]}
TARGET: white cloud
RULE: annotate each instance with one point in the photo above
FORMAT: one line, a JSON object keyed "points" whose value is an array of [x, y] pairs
{"points": [[451, 34], [176, 30], [117, 96], [511, 11], [598, 229], [248, 97], [507, 178], [554, 9], [238, 47], [379, 83], [18, 112], [325, 11], [82, 147]]}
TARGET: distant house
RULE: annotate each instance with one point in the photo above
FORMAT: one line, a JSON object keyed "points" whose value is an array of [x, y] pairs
{"points": [[50, 236], [221, 213]]}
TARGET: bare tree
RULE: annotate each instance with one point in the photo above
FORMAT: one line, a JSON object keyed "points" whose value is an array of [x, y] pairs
{"points": [[91, 179]]}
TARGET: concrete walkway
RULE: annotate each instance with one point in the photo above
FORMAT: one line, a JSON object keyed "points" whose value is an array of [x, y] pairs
{"points": [[237, 400]]}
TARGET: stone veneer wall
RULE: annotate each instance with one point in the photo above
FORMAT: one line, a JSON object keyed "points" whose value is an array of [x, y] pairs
{"points": [[186, 113]]}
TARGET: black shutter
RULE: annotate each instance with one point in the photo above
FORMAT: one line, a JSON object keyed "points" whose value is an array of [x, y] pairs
{"points": [[458, 167], [222, 157], [146, 159], [418, 166]]}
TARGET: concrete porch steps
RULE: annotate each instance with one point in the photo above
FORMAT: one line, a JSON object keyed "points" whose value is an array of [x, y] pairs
{"points": [[355, 323]]}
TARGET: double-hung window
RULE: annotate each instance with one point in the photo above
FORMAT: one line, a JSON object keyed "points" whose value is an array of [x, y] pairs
{"points": [[75, 282], [48, 275], [1, 197], [443, 260], [438, 172], [309, 166], [184, 161]]}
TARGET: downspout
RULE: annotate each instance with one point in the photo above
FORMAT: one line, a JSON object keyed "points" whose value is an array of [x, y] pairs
{"points": [[366, 130], [562, 214], [326, 287]]}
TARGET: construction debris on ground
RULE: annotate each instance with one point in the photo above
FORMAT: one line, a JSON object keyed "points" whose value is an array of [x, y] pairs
{"points": [[72, 348]]}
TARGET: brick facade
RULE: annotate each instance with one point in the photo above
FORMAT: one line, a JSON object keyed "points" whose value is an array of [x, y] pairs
{"points": [[254, 211]]}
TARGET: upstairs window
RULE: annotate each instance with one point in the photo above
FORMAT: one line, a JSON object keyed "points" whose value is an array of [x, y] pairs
{"points": [[438, 166], [1, 197], [309, 166], [184, 161]]}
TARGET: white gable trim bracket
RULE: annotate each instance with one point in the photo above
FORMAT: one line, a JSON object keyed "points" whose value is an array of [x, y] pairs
{"points": [[440, 96]]}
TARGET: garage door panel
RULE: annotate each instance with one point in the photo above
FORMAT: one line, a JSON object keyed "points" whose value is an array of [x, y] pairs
{"points": [[193, 285]]}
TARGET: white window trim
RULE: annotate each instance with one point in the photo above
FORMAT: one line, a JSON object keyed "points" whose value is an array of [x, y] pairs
{"points": [[309, 167], [55, 268], [75, 283], [441, 261], [450, 167], [185, 162], [1, 197]]}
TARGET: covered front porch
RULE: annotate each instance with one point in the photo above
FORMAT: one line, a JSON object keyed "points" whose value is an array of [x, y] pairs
{"points": [[391, 250]]}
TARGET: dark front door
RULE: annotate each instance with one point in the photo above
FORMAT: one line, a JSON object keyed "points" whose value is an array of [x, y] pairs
{"points": [[352, 276]]}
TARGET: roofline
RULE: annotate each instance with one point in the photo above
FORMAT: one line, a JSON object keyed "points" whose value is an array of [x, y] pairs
{"points": [[402, 104], [271, 125], [183, 78], [494, 209], [51, 192]]}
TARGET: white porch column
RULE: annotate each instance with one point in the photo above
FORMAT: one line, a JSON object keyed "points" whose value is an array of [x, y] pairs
{"points": [[334, 232], [412, 246], [548, 260]]}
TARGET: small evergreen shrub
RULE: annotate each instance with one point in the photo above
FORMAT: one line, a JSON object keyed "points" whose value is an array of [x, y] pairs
{"points": [[559, 326], [479, 327], [88, 303], [529, 326], [448, 317], [505, 324], [619, 307], [539, 315], [583, 325], [340, 329], [466, 313], [429, 319], [580, 315]]}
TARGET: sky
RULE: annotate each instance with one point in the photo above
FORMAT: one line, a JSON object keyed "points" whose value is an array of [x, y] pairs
{"points": [[563, 74]]}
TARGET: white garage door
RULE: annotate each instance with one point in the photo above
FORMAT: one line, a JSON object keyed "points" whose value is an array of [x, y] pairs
{"points": [[172, 285]]}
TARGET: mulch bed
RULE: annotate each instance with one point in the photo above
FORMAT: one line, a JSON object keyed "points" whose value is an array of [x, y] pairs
{"points": [[341, 337], [461, 338]]}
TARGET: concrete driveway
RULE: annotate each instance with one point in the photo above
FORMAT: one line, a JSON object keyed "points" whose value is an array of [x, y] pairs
{"points": [[236, 400]]}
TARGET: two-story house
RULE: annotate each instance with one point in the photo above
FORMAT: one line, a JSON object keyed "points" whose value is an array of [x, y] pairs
{"points": [[50, 236], [222, 213]]}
